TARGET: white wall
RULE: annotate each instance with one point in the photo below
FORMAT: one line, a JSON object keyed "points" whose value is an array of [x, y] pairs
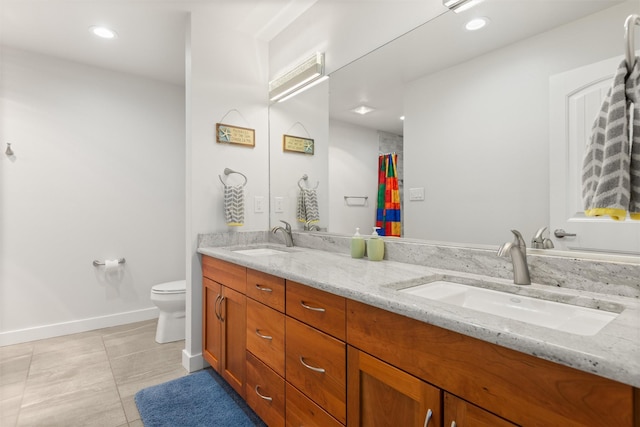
{"points": [[226, 70], [353, 171], [98, 173], [476, 135], [307, 116]]}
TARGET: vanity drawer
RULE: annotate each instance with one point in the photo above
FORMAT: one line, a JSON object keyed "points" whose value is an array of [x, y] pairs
{"points": [[231, 275], [316, 365], [266, 288], [317, 308], [303, 412], [265, 392], [265, 334]]}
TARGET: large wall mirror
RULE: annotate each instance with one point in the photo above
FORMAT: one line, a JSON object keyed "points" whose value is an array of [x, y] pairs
{"points": [[476, 146]]}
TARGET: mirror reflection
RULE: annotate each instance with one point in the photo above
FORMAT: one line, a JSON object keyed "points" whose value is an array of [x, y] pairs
{"points": [[473, 150]]}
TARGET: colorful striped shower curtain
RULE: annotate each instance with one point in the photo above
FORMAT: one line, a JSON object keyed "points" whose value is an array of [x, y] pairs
{"points": [[388, 212]]}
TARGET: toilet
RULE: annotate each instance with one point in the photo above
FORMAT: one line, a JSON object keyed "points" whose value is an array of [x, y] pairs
{"points": [[170, 298]]}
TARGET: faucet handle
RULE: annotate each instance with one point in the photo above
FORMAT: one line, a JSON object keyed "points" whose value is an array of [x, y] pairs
{"points": [[287, 226], [537, 241]]}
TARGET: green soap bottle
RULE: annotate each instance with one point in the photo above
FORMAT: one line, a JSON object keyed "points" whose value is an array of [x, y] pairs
{"points": [[357, 245], [375, 246]]}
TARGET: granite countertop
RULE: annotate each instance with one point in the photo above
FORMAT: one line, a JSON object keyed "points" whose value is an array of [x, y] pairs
{"points": [[613, 352]]}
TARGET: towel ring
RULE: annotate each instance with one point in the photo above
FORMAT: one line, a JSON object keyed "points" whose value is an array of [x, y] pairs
{"points": [[305, 178], [228, 171], [630, 51]]}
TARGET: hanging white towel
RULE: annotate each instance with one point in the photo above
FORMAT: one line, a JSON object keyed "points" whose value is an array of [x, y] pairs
{"points": [[308, 205], [234, 205], [611, 162]]}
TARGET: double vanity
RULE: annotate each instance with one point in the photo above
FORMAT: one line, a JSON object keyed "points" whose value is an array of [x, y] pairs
{"points": [[314, 337]]}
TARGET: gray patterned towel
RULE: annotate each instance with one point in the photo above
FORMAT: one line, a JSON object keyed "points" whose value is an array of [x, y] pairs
{"points": [[308, 205], [234, 204], [611, 167]]}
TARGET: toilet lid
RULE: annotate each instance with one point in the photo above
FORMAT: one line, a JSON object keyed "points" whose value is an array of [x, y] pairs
{"points": [[177, 287]]}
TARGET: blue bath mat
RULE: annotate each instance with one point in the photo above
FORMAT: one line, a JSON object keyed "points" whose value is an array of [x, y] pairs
{"points": [[196, 400]]}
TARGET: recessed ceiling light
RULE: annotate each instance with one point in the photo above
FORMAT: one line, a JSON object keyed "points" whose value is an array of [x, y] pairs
{"points": [[476, 23], [103, 32], [363, 109]]}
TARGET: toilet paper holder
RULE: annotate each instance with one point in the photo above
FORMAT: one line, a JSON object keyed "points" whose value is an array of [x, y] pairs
{"points": [[97, 263]]}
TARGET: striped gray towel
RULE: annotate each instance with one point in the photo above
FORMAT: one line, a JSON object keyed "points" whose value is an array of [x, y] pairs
{"points": [[610, 166], [234, 204], [308, 205]]}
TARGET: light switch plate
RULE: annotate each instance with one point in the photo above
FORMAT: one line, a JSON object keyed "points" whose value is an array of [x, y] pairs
{"points": [[258, 204], [416, 193], [278, 205]]}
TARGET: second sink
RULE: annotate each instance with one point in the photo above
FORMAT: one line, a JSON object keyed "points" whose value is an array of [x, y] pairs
{"points": [[550, 314]]}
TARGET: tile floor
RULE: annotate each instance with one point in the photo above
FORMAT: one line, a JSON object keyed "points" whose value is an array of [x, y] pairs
{"points": [[86, 379]]}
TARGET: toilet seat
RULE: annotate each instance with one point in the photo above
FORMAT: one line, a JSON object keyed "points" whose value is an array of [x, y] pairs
{"points": [[177, 287]]}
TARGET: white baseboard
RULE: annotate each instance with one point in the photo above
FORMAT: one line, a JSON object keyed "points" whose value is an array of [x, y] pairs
{"points": [[76, 326], [192, 362]]}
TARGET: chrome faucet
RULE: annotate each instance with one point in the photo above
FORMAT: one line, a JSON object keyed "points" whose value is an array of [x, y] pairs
{"points": [[518, 252], [539, 242], [288, 237]]}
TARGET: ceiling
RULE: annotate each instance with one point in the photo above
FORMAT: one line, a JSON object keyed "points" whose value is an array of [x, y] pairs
{"points": [[377, 79], [151, 33]]}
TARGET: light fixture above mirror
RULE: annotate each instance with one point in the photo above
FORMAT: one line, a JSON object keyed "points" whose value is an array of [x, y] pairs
{"points": [[302, 77]]}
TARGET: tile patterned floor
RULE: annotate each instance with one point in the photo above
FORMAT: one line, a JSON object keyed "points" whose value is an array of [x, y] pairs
{"points": [[86, 379]]}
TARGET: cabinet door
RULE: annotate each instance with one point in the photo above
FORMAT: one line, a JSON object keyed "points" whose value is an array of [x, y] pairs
{"points": [[302, 411], [211, 330], [382, 395], [234, 324], [460, 413]]}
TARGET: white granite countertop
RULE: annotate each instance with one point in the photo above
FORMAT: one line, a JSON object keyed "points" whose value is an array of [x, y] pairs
{"points": [[613, 352]]}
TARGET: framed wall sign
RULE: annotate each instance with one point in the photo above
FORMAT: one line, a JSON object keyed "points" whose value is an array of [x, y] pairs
{"points": [[297, 144], [228, 134]]}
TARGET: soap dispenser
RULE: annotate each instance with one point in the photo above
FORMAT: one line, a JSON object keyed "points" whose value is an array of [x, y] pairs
{"points": [[357, 245], [375, 246]]}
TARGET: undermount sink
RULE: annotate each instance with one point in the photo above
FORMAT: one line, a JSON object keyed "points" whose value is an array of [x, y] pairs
{"points": [[259, 251], [550, 314]]}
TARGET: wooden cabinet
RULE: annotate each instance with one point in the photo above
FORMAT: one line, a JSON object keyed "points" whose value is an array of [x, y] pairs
{"points": [[224, 320], [523, 389], [382, 395], [459, 413], [303, 356]]}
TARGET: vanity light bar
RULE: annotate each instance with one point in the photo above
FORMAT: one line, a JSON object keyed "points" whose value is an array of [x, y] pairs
{"points": [[460, 5], [302, 75]]}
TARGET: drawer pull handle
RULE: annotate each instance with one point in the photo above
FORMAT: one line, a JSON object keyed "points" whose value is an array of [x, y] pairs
{"points": [[427, 419], [308, 307], [267, 398], [313, 368], [266, 337], [453, 424], [263, 288], [221, 306]]}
